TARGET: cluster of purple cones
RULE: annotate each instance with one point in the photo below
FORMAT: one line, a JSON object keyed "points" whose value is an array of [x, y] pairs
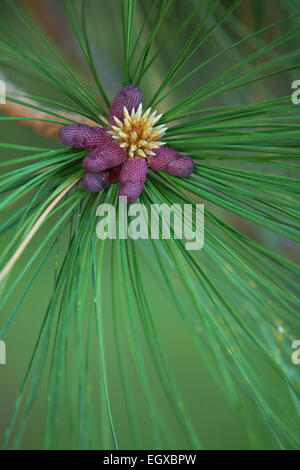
{"points": [[108, 162]]}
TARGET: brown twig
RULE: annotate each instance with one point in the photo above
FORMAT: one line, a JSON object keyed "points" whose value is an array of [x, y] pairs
{"points": [[47, 129]]}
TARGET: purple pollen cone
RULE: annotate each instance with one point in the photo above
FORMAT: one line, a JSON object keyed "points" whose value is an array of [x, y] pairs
{"points": [[106, 155], [81, 136], [130, 96], [95, 182], [132, 178], [172, 162]]}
